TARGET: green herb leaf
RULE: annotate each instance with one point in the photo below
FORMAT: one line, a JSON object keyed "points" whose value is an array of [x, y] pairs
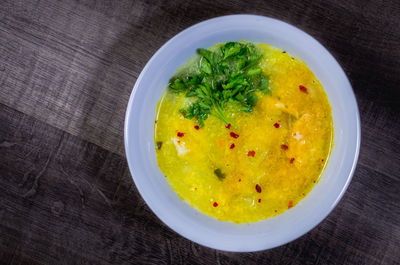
{"points": [[206, 67], [178, 85], [253, 71], [228, 74], [159, 145], [219, 174]]}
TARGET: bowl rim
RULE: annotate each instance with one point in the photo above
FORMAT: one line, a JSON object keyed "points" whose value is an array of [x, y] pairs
{"points": [[194, 27]]}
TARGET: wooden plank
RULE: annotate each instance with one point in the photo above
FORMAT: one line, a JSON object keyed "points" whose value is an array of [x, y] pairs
{"points": [[72, 68], [73, 64], [71, 201]]}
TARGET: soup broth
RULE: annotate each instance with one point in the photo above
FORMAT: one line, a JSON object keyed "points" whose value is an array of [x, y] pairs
{"points": [[264, 161]]}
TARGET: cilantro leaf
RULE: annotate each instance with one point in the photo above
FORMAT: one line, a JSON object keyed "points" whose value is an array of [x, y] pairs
{"points": [[230, 73]]}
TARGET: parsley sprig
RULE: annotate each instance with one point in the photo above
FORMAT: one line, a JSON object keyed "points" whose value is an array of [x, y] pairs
{"points": [[230, 73]]}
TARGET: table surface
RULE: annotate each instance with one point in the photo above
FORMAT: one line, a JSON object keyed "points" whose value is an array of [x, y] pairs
{"points": [[67, 68]]}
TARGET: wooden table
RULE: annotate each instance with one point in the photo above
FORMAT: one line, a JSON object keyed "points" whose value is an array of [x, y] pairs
{"points": [[67, 68]]}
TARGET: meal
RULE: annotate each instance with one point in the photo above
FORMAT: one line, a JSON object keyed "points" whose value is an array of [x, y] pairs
{"points": [[243, 131]]}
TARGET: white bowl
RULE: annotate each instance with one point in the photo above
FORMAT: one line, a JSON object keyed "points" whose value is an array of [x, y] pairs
{"points": [[189, 222]]}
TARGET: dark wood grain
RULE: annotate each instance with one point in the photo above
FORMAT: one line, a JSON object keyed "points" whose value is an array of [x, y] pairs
{"points": [[66, 72]]}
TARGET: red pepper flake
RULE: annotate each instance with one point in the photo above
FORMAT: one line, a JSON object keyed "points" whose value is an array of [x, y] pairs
{"points": [[180, 134], [259, 200], [277, 125], [179, 141], [232, 146], [258, 188], [240, 180], [322, 160], [234, 135], [228, 126], [197, 127], [251, 153], [284, 147], [215, 204], [290, 205], [303, 89], [292, 160]]}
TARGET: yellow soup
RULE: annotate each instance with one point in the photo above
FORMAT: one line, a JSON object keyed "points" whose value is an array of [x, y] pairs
{"points": [[262, 164]]}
